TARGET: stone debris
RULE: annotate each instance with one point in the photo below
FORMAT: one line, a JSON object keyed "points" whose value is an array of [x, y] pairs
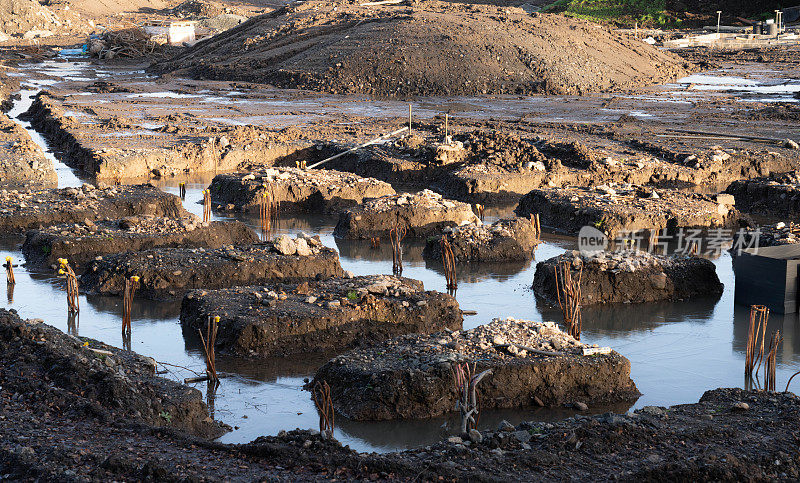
{"points": [[421, 214], [615, 207], [81, 242], [411, 376], [331, 314], [170, 272], [294, 189], [504, 240], [630, 276]]}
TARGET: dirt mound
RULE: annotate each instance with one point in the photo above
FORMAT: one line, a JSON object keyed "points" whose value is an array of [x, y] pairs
{"points": [[430, 48], [20, 16]]}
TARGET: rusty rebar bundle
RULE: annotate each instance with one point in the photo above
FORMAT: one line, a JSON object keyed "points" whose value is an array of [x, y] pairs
{"points": [[72, 284], [182, 190], [268, 210], [449, 262], [131, 284], [466, 383], [206, 206], [537, 229], [754, 352], [478, 209], [209, 343], [10, 280], [375, 242], [396, 235], [568, 292], [769, 365], [324, 404]]}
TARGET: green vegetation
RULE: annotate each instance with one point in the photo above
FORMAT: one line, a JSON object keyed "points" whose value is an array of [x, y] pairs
{"points": [[620, 12]]}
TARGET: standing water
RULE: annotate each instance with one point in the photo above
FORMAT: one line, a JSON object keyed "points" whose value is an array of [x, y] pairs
{"points": [[677, 349]]}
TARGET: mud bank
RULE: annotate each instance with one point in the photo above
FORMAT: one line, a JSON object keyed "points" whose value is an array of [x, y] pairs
{"points": [[625, 207], [502, 241], [333, 314], [420, 214], [23, 164], [630, 277], [22, 210], [411, 376], [86, 378], [498, 162], [95, 149], [169, 272], [777, 195], [81, 242], [497, 50], [295, 190], [768, 236]]}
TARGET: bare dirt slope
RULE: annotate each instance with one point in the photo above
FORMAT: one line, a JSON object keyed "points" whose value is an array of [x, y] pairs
{"points": [[429, 48]]}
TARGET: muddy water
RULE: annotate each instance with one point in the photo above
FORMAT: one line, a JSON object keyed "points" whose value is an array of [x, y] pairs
{"points": [[677, 350]]}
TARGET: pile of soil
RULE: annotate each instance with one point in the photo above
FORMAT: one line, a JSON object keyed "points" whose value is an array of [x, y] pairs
{"points": [[25, 209], [81, 242], [20, 16], [625, 207], [412, 376], [86, 377], [170, 272], [333, 314], [420, 214], [428, 48], [502, 241], [293, 189], [629, 276]]}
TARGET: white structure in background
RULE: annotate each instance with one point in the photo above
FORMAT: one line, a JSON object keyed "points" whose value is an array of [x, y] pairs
{"points": [[173, 33]]}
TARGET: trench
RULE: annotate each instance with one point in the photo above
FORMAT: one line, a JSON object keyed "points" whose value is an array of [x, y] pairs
{"points": [[677, 349]]}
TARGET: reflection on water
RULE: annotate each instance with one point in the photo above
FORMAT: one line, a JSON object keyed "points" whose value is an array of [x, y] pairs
{"points": [[677, 350]]}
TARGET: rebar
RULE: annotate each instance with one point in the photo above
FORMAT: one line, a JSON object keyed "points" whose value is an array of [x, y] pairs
{"points": [[478, 208], [769, 365], [754, 352], [9, 271], [466, 383], [267, 212], [449, 262], [206, 206], [209, 343], [322, 400], [375, 242], [72, 285], [537, 229], [396, 235], [568, 292], [131, 284], [182, 190]]}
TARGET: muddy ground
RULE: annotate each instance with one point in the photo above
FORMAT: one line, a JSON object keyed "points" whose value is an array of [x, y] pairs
{"points": [[505, 240], [170, 272], [629, 277], [60, 425], [532, 364], [414, 214], [315, 315], [21, 210], [613, 209], [82, 242], [294, 190]]}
